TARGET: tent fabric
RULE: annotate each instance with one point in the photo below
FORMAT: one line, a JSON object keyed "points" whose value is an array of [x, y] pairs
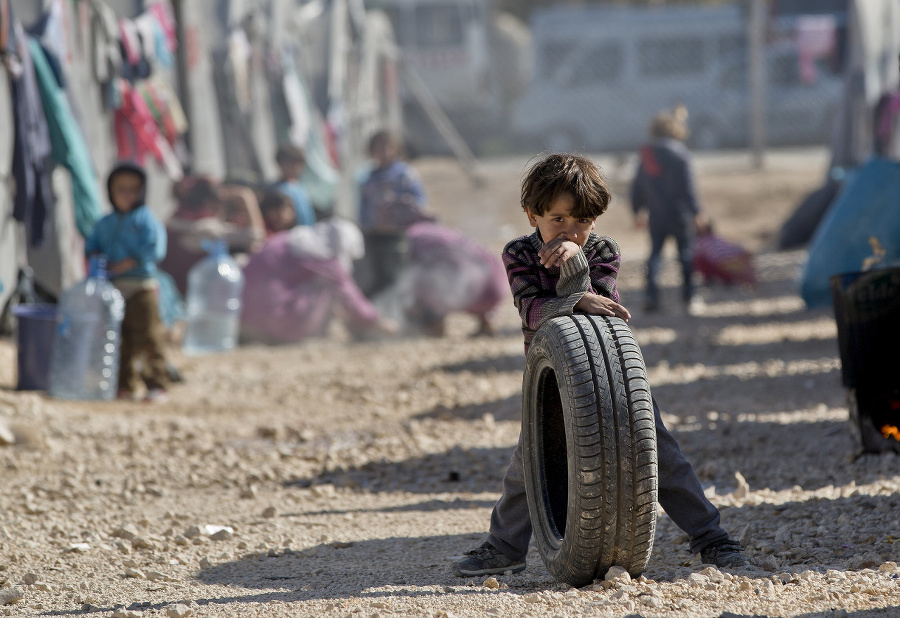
{"points": [[868, 205]]}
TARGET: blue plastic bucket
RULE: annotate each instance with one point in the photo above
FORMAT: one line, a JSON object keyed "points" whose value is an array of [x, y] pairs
{"points": [[36, 326]]}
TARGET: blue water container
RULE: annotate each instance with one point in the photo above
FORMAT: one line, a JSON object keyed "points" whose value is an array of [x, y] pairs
{"points": [[86, 346], [213, 303], [35, 328]]}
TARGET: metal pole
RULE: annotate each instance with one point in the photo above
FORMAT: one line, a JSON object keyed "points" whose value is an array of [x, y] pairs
{"points": [[757, 80]]}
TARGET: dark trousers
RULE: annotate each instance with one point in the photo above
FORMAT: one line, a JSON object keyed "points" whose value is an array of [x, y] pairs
{"points": [[680, 494], [142, 339], [684, 240]]}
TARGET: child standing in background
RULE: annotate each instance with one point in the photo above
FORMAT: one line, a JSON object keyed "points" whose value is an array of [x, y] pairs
{"points": [[291, 163], [664, 201], [134, 241]]}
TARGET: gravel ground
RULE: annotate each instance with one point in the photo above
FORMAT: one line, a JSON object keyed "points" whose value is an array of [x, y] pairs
{"points": [[340, 478]]}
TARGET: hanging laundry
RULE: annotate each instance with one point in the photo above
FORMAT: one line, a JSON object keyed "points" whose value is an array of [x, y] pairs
{"points": [[816, 37], [69, 148], [106, 50], [138, 134], [165, 16], [32, 164]]}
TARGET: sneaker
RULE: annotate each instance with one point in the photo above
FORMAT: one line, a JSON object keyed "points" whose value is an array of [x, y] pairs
{"points": [[156, 395], [487, 560], [725, 554]]}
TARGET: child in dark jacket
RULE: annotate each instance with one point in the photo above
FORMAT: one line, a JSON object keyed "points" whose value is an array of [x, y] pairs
{"points": [[564, 268], [134, 241], [664, 200]]}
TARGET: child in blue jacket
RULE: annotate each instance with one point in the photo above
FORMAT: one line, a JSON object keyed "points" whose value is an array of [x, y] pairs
{"points": [[134, 241]]}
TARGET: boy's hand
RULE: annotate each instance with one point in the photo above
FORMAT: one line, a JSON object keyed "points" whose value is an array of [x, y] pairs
{"points": [[595, 304], [122, 266], [557, 251]]}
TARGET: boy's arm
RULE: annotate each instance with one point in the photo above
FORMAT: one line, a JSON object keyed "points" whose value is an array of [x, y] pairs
{"points": [[150, 244], [532, 289]]}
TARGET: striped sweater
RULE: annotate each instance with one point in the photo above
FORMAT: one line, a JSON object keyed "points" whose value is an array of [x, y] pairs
{"points": [[541, 293]]}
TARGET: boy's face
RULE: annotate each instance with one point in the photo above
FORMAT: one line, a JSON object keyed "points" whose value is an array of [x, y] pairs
{"points": [[291, 169], [280, 218], [125, 191], [558, 221]]}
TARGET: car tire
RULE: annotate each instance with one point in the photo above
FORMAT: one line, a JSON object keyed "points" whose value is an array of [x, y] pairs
{"points": [[589, 448]]}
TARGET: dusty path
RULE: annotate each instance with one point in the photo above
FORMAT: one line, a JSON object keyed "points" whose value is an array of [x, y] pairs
{"points": [[351, 475]]}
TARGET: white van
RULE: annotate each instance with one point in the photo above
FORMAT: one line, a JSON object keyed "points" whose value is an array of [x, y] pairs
{"points": [[602, 73], [448, 43]]}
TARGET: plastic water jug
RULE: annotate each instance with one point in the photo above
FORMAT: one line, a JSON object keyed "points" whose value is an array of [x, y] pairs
{"points": [[213, 303], [85, 359]]}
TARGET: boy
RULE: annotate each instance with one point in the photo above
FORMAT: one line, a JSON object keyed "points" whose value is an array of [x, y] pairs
{"points": [[134, 241], [564, 267], [291, 162], [665, 202]]}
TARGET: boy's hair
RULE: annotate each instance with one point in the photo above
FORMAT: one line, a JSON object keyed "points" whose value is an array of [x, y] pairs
{"points": [[562, 173], [127, 167], [274, 199], [288, 153], [385, 136], [670, 124]]}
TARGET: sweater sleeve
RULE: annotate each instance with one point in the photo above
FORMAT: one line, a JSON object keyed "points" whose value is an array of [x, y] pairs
{"points": [[533, 294], [604, 261]]}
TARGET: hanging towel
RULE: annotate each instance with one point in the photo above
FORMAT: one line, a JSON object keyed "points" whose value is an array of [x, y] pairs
{"points": [[69, 148]]}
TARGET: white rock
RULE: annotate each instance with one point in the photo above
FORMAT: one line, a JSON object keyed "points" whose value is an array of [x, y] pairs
{"points": [[135, 573], [8, 596], [218, 533], [79, 547], [128, 531], [7, 436], [617, 574], [742, 491], [650, 601], [179, 610]]}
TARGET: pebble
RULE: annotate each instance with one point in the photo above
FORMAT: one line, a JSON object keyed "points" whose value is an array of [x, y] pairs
{"points": [[7, 437], [79, 548], [127, 613], [178, 610], [8, 596], [617, 574], [742, 491], [128, 531], [491, 583], [29, 578], [269, 511], [135, 573]]}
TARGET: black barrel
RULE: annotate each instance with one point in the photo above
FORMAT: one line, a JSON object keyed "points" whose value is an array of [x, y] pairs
{"points": [[867, 311]]}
